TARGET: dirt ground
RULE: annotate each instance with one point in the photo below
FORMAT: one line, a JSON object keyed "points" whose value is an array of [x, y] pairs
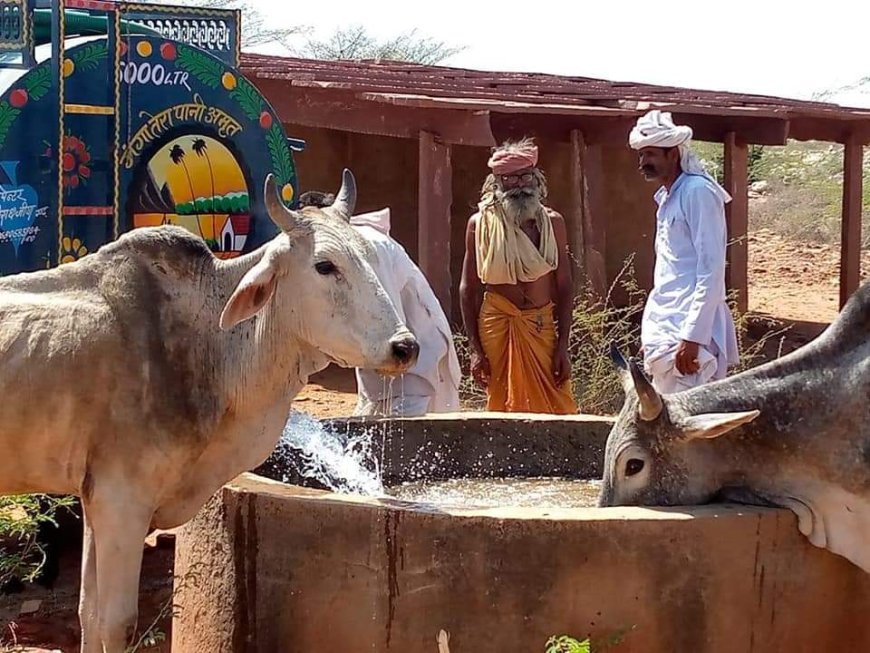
{"points": [[790, 285]]}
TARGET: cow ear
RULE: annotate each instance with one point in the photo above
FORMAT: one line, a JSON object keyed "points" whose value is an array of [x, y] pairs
{"points": [[712, 425], [251, 295]]}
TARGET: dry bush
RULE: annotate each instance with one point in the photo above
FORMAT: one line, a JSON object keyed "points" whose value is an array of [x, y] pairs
{"points": [[596, 323]]}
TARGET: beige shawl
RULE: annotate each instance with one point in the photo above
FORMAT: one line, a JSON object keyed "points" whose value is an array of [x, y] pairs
{"points": [[505, 254]]}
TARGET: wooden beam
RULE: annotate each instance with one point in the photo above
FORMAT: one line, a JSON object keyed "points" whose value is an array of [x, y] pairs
{"points": [[850, 243], [596, 131], [833, 131], [593, 235], [435, 195], [495, 105], [715, 128], [343, 111], [737, 218]]}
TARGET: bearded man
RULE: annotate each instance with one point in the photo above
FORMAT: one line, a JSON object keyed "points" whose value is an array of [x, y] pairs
{"points": [[516, 291]]}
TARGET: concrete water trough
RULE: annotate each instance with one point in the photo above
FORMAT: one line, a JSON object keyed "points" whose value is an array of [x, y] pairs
{"points": [[275, 567]]}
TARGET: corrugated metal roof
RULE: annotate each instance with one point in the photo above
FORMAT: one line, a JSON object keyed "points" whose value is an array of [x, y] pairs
{"points": [[419, 85]]}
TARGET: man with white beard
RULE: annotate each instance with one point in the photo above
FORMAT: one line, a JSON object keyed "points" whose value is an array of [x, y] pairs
{"points": [[431, 385], [516, 290]]}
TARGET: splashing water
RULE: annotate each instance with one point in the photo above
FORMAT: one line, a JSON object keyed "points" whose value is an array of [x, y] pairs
{"points": [[341, 463]]}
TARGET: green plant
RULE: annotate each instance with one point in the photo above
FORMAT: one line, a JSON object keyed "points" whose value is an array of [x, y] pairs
{"points": [[567, 644], [153, 634], [21, 553]]}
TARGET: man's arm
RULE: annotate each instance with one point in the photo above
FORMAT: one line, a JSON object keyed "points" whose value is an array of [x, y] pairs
{"points": [[470, 286], [470, 300]]}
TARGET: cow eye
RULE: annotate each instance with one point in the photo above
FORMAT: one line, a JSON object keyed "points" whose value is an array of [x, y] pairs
{"points": [[325, 267], [633, 466]]}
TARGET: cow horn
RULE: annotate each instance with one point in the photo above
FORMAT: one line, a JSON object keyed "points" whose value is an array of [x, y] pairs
{"points": [[650, 401], [283, 217], [345, 201]]}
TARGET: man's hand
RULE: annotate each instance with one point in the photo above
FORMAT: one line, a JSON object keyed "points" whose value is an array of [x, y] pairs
{"points": [[561, 366], [686, 360], [480, 368]]}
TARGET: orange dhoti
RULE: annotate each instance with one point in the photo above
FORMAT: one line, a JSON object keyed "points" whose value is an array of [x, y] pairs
{"points": [[519, 345]]}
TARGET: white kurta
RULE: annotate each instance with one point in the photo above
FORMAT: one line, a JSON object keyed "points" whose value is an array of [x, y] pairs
{"points": [[687, 301], [432, 384]]}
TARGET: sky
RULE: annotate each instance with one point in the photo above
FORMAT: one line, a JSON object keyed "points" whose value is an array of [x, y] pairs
{"points": [[759, 46]]}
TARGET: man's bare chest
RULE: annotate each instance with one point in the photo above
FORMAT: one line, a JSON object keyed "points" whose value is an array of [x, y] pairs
{"points": [[530, 229]]}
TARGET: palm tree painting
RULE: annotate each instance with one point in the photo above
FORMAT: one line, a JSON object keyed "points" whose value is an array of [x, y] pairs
{"points": [[199, 146], [177, 155], [167, 192]]}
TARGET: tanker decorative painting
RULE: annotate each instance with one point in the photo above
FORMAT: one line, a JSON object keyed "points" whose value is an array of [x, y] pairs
{"points": [[180, 137]]}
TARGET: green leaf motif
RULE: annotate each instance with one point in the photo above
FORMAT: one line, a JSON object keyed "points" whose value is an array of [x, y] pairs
{"points": [[248, 98], [282, 161], [8, 114], [38, 82], [88, 57], [201, 66]]}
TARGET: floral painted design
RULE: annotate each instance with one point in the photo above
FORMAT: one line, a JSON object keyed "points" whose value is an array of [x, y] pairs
{"points": [[76, 162], [73, 249]]}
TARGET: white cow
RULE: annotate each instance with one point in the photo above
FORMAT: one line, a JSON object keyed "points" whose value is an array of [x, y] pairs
{"points": [[143, 377]]}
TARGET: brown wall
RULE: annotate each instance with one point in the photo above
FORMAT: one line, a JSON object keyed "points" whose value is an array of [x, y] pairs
{"points": [[629, 215], [386, 173], [385, 170]]}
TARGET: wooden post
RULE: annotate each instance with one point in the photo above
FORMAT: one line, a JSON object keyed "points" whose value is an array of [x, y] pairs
{"points": [[850, 243], [574, 215], [435, 195], [587, 175], [737, 218]]}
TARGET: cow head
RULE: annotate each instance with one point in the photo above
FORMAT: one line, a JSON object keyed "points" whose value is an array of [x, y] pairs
{"points": [[656, 453], [317, 275]]}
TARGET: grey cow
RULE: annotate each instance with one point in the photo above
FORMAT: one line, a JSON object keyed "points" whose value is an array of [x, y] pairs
{"points": [[793, 433]]}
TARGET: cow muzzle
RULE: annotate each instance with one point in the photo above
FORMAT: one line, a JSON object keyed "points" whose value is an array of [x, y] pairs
{"points": [[404, 351]]}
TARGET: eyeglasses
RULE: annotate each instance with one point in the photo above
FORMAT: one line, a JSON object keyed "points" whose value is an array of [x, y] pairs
{"points": [[524, 177]]}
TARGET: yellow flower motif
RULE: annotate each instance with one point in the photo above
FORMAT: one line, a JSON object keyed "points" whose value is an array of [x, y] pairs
{"points": [[73, 249], [228, 80]]}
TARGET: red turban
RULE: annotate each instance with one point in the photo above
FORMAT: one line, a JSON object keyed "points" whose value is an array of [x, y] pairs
{"points": [[508, 160]]}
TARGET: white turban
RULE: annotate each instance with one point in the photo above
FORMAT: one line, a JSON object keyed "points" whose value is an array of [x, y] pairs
{"points": [[657, 129]]}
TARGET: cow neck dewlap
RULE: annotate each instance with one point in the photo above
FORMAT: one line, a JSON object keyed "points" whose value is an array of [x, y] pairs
{"points": [[261, 361]]}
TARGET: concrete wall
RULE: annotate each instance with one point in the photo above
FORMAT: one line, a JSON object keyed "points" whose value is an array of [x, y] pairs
{"points": [[291, 569], [386, 171], [476, 444]]}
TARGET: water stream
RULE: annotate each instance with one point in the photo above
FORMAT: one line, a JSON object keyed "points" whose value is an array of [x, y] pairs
{"points": [[340, 462]]}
